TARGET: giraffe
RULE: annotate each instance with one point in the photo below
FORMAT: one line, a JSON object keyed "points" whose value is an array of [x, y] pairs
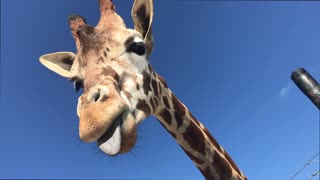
{"points": [[121, 89]]}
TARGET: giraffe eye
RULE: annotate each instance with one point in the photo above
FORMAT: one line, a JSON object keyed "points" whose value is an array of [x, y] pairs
{"points": [[77, 84], [137, 47]]}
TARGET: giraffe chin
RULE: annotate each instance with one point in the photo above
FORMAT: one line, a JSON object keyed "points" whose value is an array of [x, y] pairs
{"points": [[110, 142]]}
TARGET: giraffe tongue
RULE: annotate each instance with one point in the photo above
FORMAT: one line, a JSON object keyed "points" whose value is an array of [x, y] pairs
{"points": [[110, 142]]}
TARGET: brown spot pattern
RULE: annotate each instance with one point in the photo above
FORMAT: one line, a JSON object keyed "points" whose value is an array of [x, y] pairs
{"points": [[155, 87], [100, 59], [143, 106], [207, 173], [166, 116], [165, 101], [146, 82], [195, 138], [179, 112], [178, 118], [222, 167], [108, 71]]}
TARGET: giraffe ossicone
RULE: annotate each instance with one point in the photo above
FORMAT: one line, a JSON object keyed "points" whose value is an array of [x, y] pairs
{"points": [[120, 89]]}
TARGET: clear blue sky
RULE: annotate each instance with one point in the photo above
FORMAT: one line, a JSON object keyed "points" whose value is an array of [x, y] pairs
{"points": [[229, 62]]}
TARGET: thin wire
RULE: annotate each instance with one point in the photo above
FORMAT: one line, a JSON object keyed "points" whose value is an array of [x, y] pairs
{"points": [[314, 161], [305, 165], [314, 174]]}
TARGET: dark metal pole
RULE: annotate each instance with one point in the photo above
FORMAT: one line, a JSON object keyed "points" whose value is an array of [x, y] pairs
{"points": [[307, 84]]}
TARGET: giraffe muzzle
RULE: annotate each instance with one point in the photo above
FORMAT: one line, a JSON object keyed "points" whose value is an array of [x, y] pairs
{"points": [[100, 112]]}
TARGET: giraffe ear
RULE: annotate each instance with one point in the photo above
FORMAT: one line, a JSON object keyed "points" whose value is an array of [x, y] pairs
{"points": [[142, 14], [59, 62]]}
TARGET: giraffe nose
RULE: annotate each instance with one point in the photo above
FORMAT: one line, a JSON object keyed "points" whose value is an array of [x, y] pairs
{"points": [[98, 94]]}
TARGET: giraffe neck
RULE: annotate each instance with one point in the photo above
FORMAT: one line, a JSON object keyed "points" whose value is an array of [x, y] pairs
{"points": [[196, 141]]}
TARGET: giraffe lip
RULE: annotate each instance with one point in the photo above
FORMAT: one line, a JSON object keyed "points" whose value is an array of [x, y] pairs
{"points": [[110, 141]]}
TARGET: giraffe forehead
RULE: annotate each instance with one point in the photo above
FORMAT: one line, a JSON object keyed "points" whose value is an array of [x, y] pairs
{"points": [[95, 39], [120, 36], [98, 64]]}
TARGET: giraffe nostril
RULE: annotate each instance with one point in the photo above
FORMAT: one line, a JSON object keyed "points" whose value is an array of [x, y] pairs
{"points": [[97, 96]]}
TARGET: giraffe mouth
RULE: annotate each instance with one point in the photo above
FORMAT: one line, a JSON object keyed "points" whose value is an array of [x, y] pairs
{"points": [[110, 142]]}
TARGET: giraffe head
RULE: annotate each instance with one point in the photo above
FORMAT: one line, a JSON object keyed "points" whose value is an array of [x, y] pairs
{"points": [[111, 65]]}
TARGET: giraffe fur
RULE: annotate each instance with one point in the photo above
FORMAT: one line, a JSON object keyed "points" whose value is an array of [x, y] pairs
{"points": [[121, 89]]}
